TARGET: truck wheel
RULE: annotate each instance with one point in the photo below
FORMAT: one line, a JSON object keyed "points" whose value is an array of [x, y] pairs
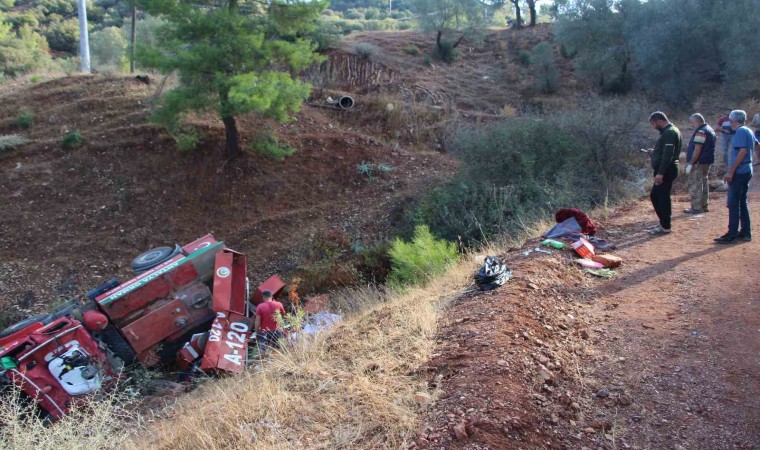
{"points": [[117, 344], [44, 318], [150, 259]]}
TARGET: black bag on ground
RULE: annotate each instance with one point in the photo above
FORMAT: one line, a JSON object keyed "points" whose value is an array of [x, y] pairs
{"points": [[492, 275]]}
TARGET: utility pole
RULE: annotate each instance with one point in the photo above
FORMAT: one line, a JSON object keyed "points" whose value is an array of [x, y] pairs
{"points": [[133, 40], [390, 6], [84, 41]]}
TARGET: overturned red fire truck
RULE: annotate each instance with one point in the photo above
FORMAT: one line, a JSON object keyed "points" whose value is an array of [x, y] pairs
{"points": [[187, 305]]}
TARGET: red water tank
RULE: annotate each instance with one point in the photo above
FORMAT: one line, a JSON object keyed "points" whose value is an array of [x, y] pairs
{"points": [[94, 320]]}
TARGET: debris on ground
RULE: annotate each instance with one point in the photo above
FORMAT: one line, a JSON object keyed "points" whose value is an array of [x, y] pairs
{"points": [[609, 261], [602, 273], [492, 275], [583, 248], [552, 243]]}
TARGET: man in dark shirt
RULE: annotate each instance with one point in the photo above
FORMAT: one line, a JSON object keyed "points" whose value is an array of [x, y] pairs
{"points": [[664, 156], [700, 155]]}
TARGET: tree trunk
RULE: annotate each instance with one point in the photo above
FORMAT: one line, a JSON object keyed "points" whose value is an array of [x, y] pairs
{"points": [[132, 41], [231, 132], [532, 9], [517, 13], [459, 41]]}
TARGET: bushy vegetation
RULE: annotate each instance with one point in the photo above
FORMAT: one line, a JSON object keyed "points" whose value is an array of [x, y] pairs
{"points": [[412, 50], [415, 262], [545, 69], [24, 119], [22, 49], [515, 171], [366, 50], [269, 146], [72, 140], [108, 50], [622, 44], [11, 142], [187, 141]]}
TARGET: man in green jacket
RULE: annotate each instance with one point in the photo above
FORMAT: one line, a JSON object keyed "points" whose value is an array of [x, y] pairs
{"points": [[664, 156]]}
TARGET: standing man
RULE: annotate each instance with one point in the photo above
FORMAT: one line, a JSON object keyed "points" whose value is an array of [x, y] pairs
{"points": [[268, 329], [664, 156], [738, 175], [726, 134], [699, 157]]}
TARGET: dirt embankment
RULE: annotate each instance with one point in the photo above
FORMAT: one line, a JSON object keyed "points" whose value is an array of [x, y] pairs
{"points": [[662, 356], [71, 219]]}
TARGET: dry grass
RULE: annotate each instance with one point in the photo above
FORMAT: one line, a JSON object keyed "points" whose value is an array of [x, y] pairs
{"points": [[105, 423], [352, 388]]}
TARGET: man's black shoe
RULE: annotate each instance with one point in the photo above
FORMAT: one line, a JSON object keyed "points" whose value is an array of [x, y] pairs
{"points": [[726, 239], [744, 237]]}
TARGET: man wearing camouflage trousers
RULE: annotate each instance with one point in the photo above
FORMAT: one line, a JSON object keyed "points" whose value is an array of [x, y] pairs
{"points": [[699, 157]]}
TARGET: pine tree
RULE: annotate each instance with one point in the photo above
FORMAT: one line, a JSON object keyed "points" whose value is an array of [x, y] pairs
{"points": [[234, 58]]}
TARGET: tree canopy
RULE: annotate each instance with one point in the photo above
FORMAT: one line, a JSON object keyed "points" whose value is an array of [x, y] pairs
{"points": [[670, 47], [453, 17], [234, 59]]}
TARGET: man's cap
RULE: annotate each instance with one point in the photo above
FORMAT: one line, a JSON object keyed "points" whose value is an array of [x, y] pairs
{"points": [[738, 115], [266, 293]]}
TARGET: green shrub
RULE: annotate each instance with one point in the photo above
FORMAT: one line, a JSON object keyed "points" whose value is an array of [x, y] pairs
{"points": [[109, 50], [428, 60], [11, 142], [328, 34], [547, 77], [446, 51], [519, 169], [63, 36], [187, 141], [412, 50], [72, 140], [524, 58], [269, 146], [404, 25], [353, 14], [366, 50], [415, 262], [24, 119], [34, 79], [566, 53]]}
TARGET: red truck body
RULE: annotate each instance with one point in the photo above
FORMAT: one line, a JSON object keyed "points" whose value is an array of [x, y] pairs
{"points": [[192, 308]]}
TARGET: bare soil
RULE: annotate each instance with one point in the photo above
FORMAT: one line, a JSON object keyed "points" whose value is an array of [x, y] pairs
{"points": [[663, 356], [72, 219]]}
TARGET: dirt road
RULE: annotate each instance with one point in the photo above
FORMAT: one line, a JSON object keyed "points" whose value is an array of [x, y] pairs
{"points": [[666, 355]]}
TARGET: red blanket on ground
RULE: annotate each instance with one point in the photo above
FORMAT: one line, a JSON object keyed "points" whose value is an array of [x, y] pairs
{"points": [[586, 224]]}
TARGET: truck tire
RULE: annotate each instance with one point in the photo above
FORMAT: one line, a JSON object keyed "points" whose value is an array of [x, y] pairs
{"points": [[153, 257], [44, 318], [117, 344]]}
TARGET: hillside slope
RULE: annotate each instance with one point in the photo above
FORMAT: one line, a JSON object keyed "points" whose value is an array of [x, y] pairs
{"points": [[73, 218]]}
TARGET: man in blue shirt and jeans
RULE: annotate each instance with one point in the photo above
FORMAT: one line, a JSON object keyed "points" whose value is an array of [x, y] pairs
{"points": [[738, 175]]}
